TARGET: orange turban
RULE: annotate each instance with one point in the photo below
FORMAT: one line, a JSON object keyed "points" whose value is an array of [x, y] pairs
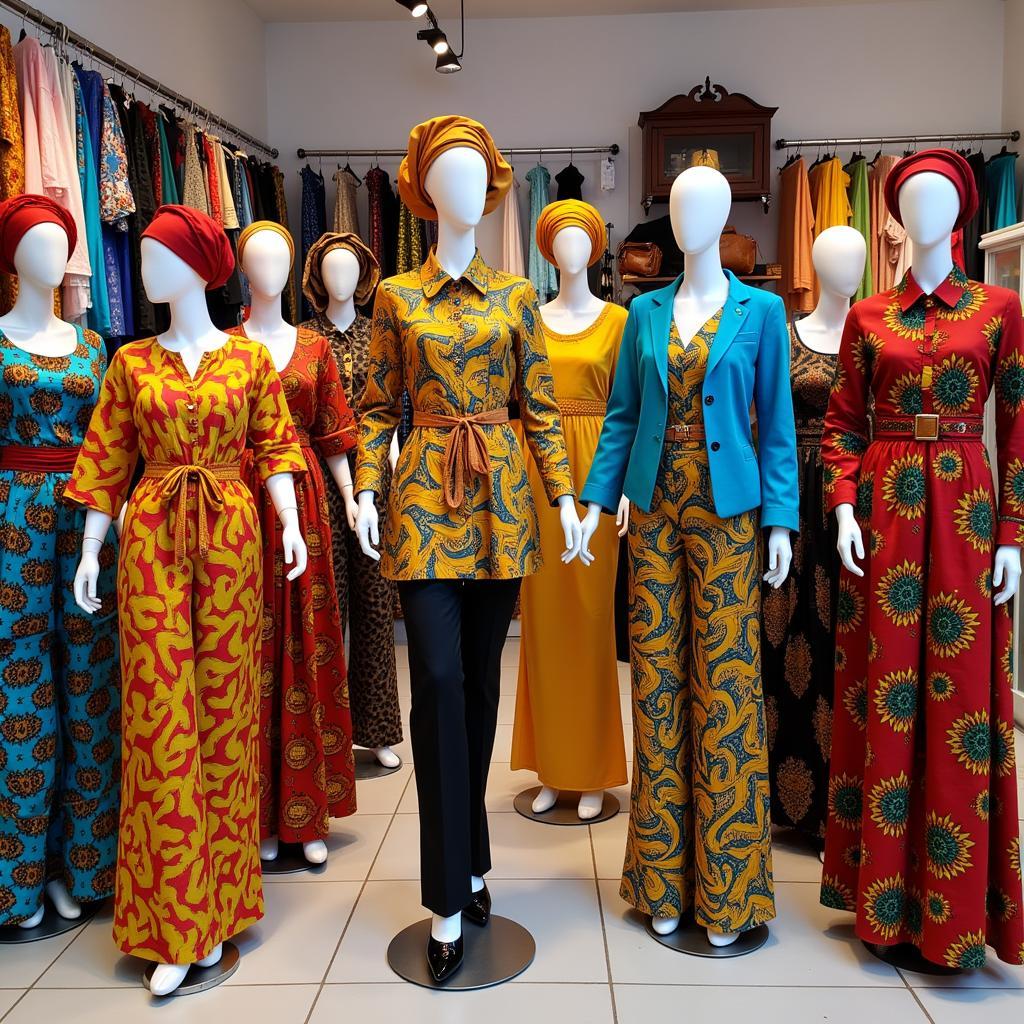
{"points": [[427, 141], [265, 225], [570, 213], [313, 286]]}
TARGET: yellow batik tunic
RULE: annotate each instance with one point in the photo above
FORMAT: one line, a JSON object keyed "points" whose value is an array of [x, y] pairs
{"points": [[189, 590], [461, 349]]}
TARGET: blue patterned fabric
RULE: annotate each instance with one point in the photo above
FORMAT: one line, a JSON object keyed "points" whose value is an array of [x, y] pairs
{"points": [[314, 219], [541, 273]]}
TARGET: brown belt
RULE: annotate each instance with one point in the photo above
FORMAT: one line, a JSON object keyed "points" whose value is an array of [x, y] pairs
{"points": [[465, 450], [685, 432], [582, 407], [209, 495], [24, 458], [928, 427]]}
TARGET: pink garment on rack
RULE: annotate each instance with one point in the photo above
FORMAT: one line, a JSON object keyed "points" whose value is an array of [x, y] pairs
{"points": [[512, 259], [881, 265]]}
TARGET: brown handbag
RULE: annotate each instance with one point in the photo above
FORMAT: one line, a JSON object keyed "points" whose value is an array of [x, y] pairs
{"points": [[739, 252], [640, 258]]}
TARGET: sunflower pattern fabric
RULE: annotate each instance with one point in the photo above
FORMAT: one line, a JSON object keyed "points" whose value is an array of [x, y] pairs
{"points": [[922, 836], [60, 746], [461, 348], [699, 825], [189, 597]]}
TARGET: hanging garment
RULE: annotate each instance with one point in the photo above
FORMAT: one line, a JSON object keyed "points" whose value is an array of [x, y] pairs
{"points": [[212, 178], [279, 213], [390, 204], [974, 258], [570, 183], [314, 218], [541, 273], [376, 182], [307, 771], [230, 217], [829, 185], [922, 838], [483, 528], [117, 205], [175, 145], [148, 121], [410, 241], [59, 680], [190, 545], [798, 621], [12, 148], [860, 219], [796, 236], [346, 212], [366, 599], [878, 249], [194, 190], [168, 179], [243, 201], [512, 261], [568, 613], [1001, 181], [700, 779]]}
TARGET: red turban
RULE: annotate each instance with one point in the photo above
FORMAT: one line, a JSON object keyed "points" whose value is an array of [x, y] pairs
{"points": [[21, 212], [946, 162], [197, 239]]}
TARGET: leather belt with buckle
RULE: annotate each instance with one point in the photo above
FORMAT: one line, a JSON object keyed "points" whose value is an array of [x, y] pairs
{"points": [[926, 427], [929, 426]]}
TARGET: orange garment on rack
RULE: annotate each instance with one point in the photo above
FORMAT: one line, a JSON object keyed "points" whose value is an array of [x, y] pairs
{"points": [[829, 185], [796, 236], [881, 265]]}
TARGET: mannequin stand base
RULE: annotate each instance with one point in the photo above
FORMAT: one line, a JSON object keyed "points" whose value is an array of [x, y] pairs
{"points": [[566, 809], [368, 767], [495, 954], [52, 924], [290, 860], [692, 938], [906, 957], [199, 979]]}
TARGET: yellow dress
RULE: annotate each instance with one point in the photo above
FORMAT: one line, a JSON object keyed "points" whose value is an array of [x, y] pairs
{"points": [[568, 726]]}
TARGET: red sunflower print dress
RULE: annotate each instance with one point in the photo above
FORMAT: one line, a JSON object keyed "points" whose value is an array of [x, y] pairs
{"points": [[922, 836], [307, 770]]}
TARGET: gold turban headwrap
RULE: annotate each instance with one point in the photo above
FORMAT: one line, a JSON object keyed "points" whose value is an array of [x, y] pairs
{"points": [[427, 141], [570, 213], [265, 225], [312, 280]]}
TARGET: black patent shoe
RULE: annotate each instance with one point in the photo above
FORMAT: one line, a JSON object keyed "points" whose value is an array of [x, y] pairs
{"points": [[478, 910], [444, 958]]}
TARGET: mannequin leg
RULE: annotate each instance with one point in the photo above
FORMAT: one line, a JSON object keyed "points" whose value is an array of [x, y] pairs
{"points": [[590, 804], [315, 852], [544, 800], [269, 848], [63, 902]]}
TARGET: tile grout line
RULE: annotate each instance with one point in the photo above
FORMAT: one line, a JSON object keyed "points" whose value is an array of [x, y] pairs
{"points": [[355, 904], [914, 995], [604, 930], [10, 1009]]}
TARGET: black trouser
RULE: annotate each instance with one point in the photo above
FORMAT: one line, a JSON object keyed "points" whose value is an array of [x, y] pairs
{"points": [[456, 630]]}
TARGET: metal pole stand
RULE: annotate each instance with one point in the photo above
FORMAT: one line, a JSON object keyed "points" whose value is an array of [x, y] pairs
{"points": [[52, 924], [566, 809], [290, 860], [199, 979], [368, 767]]}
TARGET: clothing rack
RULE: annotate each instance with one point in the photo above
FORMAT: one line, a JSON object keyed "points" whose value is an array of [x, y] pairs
{"points": [[304, 154], [66, 37], [891, 140]]}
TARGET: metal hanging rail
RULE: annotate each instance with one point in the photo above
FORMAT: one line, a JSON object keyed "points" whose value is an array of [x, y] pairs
{"points": [[67, 37], [887, 140], [304, 154]]}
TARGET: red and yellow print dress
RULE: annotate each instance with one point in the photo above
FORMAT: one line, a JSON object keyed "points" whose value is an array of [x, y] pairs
{"points": [[922, 838], [307, 771], [189, 589]]}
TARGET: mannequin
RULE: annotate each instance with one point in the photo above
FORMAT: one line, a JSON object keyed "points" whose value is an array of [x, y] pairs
{"points": [[742, 335], [31, 326], [457, 183], [836, 254], [194, 340], [568, 317]]}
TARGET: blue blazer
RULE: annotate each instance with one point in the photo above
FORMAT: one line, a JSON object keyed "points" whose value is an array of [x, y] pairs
{"points": [[748, 363]]}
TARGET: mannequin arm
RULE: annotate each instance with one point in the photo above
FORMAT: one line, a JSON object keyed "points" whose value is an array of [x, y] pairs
{"points": [[780, 556], [96, 526], [281, 488], [367, 525], [342, 473], [850, 540], [1006, 573]]}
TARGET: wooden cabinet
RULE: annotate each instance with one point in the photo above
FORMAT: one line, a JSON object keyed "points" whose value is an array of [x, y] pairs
{"points": [[684, 129]]}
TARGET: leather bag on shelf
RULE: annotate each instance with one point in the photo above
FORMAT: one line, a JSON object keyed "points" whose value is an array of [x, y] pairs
{"points": [[640, 258], [739, 252]]}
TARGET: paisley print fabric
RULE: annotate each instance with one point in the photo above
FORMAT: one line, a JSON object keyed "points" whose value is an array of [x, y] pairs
{"points": [[699, 824], [460, 348], [687, 365], [307, 771], [59, 684], [798, 621], [188, 856], [922, 836]]}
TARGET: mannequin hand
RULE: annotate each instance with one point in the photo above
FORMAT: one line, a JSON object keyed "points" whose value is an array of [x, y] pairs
{"points": [[850, 541], [622, 516], [587, 530], [1006, 573], [393, 452], [367, 525], [85, 583], [351, 507], [780, 555], [293, 545], [570, 520]]}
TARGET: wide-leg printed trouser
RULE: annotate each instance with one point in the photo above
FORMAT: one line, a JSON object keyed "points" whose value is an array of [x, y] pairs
{"points": [[699, 813]]}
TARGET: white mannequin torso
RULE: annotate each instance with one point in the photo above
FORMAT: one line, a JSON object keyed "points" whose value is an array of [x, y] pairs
{"points": [[267, 263], [839, 254]]}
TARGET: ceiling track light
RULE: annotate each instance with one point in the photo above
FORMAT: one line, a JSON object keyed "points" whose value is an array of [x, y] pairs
{"points": [[436, 38], [447, 64], [417, 8], [448, 61]]}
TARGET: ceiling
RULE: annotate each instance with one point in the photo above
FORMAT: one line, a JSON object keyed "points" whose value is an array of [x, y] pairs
{"points": [[375, 10]]}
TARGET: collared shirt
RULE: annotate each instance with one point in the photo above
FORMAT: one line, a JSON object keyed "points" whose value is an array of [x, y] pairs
{"points": [[460, 348], [904, 352]]}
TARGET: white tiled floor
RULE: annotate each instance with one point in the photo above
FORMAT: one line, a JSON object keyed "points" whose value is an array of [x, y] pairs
{"points": [[318, 955]]}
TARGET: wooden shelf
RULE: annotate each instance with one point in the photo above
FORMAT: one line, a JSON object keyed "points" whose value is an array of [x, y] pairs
{"points": [[636, 279]]}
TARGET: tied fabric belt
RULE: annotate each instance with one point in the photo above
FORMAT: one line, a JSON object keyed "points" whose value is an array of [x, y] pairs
{"points": [[465, 450], [928, 427], [23, 458], [209, 496]]}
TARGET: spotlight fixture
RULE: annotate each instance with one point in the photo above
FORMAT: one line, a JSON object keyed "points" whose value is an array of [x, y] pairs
{"points": [[437, 39], [448, 60], [417, 8], [447, 63]]}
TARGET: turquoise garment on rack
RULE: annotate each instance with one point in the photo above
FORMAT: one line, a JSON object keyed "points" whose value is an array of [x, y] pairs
{"points": [[541, 273], [168, 183], [1002, 190]]}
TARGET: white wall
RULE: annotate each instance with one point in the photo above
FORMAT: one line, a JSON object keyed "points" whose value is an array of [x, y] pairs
{"points": [[211, 51], [891, 68], [1013, 69]]}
